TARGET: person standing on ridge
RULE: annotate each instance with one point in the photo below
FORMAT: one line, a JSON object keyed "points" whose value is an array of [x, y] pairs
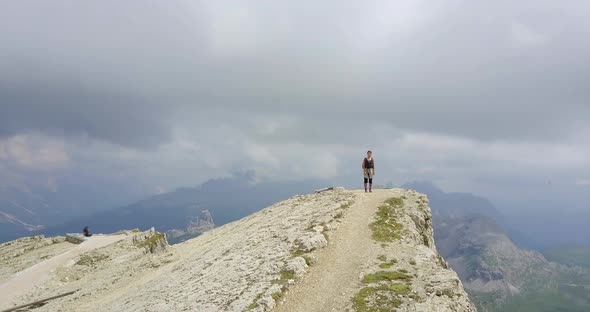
{"points": [[369, 170]]}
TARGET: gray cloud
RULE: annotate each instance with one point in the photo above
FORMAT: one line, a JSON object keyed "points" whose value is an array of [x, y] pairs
{"points": [[472, 95], [78, 110], [130, 72]]}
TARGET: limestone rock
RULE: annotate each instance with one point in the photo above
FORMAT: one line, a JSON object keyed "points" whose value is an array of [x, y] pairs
{"points": [[312, 241], [297, 265], [248, 265]]}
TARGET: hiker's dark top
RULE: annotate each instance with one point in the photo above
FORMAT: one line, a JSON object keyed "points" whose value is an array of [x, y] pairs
{"points": [[369, 164]]}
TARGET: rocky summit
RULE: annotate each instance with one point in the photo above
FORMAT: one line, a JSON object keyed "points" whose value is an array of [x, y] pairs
{"points": [[334, 250]]}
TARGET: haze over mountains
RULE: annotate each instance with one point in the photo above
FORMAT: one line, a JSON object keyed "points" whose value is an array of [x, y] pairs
{"points": [[471, 233], [145, 118], [251, 192], [34, 204], [499, 274], [174, 210]]}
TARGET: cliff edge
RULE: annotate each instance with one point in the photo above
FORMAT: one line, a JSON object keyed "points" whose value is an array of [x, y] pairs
{"points": [[336, 250]]}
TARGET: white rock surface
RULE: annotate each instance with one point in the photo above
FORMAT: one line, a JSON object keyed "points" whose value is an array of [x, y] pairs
{"points": [[245, 265]]}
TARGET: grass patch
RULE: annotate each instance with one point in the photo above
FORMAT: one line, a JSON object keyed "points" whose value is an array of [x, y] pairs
{"points": [[254, 304], [381, 276], [388, 265], [395, 202], [152, 242], [370, 299], [382, 258], [297, 252], [386, 294], [413, 262], [398, 288], [287, 275], [277, 296], [385, 228], [91, 260], [346, 205]]}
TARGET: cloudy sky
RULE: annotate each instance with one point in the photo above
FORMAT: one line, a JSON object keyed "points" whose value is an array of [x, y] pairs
{"points": [[491, 97]]}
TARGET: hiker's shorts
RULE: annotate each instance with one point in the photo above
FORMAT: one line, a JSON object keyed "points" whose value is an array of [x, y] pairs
{"points": [[368, 175]]}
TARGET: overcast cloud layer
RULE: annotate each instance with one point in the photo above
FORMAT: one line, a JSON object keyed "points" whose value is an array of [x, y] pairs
{"points": [[475, 96]]}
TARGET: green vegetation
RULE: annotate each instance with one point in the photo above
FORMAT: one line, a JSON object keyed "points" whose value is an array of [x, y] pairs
{"points": [[413, 262], [346, 205], [153, 241], [254, 304], [563, 299], [383, 292], [91, 259], [385, 228], [370, 299], [388, 265], [398, 288], [386, 276], [297, 252], [570, 256], [286, 275], [277, 296], [395, 202], [567, 290]]}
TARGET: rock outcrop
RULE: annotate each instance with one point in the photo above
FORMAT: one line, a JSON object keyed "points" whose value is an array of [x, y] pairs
{"points": [[196, 226], [492, 267], [262, 262]]}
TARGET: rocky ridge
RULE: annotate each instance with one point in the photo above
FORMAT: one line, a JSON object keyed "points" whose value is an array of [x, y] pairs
{"points": [[252, 264]]}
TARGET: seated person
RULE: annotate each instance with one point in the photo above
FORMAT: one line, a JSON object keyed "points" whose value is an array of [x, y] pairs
{"points": [[86, 232]]}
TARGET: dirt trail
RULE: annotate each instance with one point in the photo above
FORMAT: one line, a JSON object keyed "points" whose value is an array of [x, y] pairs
{"points": [[332, 281], [23, 282]]}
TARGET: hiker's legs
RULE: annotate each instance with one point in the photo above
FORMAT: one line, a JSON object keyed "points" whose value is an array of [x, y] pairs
{"points": [[366, 180], [370, 185]]}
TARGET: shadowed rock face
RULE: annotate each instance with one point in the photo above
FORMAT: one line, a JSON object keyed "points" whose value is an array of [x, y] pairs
{"points": [[485, 258], [202, 223], [196, 226]]}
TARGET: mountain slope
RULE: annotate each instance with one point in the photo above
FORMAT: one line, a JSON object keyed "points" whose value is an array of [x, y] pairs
{"points": [[175, 210], [253, 263], [497, 273], [490, 265]]}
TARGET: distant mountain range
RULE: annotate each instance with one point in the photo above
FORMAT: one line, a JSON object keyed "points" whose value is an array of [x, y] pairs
{"points": [[196, 226], [470, 233], [498, 274], [177, 209], [29, 205]]}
